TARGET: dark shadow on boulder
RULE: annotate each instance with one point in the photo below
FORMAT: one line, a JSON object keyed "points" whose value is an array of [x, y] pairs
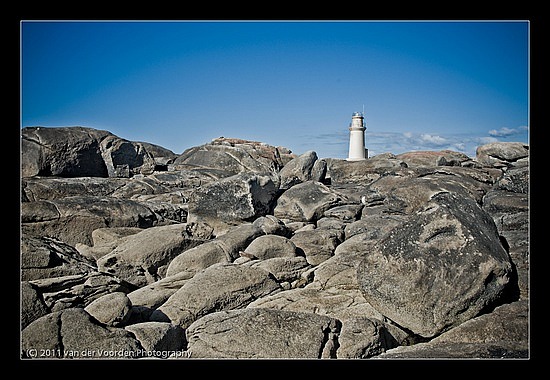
{"points": [[300, 252], [511, 292]]}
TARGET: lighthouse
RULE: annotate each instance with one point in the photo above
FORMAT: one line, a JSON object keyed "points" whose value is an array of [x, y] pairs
{"points": [[357, 129]]}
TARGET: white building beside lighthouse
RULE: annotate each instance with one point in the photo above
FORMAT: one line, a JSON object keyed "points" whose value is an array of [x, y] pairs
{"points": [[357, 129]]}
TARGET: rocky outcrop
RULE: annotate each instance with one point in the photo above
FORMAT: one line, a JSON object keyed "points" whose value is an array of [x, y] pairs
{"points": [[305, 167], [238, 249], [432, 158], [81, 152], [503, 154], [232, 200], [306, 202], [224, 157]]}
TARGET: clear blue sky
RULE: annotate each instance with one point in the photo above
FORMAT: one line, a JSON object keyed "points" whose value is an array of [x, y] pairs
{"points": [[423, 85]]}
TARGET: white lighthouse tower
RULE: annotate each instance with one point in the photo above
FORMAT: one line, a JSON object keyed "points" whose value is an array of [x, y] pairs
{"points": [[357, 129]]}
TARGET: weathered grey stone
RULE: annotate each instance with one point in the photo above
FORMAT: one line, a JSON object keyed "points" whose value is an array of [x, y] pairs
{"points": [[498, 202], [47, 257], [161, 155], [183, 180], [306, 202], [319, 171], [124, 158], [375, 226], [334, 302], [32, 304], [410, 191], [364, 171], [318, 245], [50, 188], [192, 261], [433, 158], [232, 200], [111, 309], [140, 186], [300, 226], [155, 294], [73, 333], [434, 257], [270, 246], [362, 338], [452, 350], [263, 334], [42, 335], [143, 258], [223, 249], [340, 271], [506, 323], [152, 192], [332, 223], [224, 157], [346, 213], [298, 170], [441, 267], [515, 179], [219, 287], [73, 219], [64, 152], [501, 154], [510, 211], [105, 240], [332, 290], [284, 269], [503, 333], [80, 152], [271, 225], [78, 290], [159, 339]]}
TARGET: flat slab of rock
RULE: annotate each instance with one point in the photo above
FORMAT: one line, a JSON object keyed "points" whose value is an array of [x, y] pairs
{"points": [[263, 334], [502, 334], [219, 287], [44, 257], [73, 219], [143, 258]]}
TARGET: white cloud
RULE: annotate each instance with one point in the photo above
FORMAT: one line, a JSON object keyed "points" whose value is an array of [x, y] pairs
{"points": [[505, 131], [502, 132], [431, 139]]}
